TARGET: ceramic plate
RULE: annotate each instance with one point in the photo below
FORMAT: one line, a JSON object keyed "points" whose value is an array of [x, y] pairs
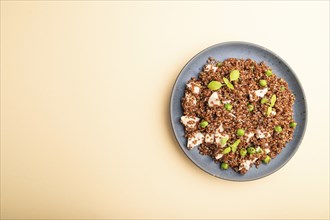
{"points": [[239, 50]]}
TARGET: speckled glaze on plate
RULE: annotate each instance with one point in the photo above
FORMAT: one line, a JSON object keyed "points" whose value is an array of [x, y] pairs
{"points": [[239, 50]]}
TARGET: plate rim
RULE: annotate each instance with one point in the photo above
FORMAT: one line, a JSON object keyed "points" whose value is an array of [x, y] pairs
{"points": [[286, 160]]}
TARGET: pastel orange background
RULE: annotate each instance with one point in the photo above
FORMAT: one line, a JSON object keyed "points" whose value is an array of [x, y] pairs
{"points": [[85, 90]]}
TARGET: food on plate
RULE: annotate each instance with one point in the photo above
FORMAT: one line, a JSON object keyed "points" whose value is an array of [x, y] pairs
{"points": [[238, 112]]}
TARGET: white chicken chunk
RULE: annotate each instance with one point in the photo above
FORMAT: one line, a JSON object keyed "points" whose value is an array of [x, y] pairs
{"points": [[262, 134], [214, 100], [190, 98], [189, 121], [196, 89], [245, 165], [209, 138], [249, 136], [261, 92], [196, 139]]}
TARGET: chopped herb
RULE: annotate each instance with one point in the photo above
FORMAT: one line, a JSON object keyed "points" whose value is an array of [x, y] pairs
{"points": [[226, 150], [269, 110], [214, 85], [263, 100], [272, 100], [229, 85], [234, 75], [223, 141], [234, 145]]}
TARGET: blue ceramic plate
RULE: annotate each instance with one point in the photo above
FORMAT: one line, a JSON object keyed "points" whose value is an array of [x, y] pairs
{"points": [[239, 50]]}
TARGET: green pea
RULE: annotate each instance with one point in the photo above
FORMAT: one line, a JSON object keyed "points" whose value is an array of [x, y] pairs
{"points": [[204, 124], [234, 75], [282, 88], [240, 132], [263, 100], [268, 73], [219, 64], [228, 106], [226, 150], [278, 128], [263, 82], [293, 124], [266, 160], [234, 145], [223, 141], [243, 152], [259, 150], [251, 150], [214, 85], [250, 107], [224, 166]]}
